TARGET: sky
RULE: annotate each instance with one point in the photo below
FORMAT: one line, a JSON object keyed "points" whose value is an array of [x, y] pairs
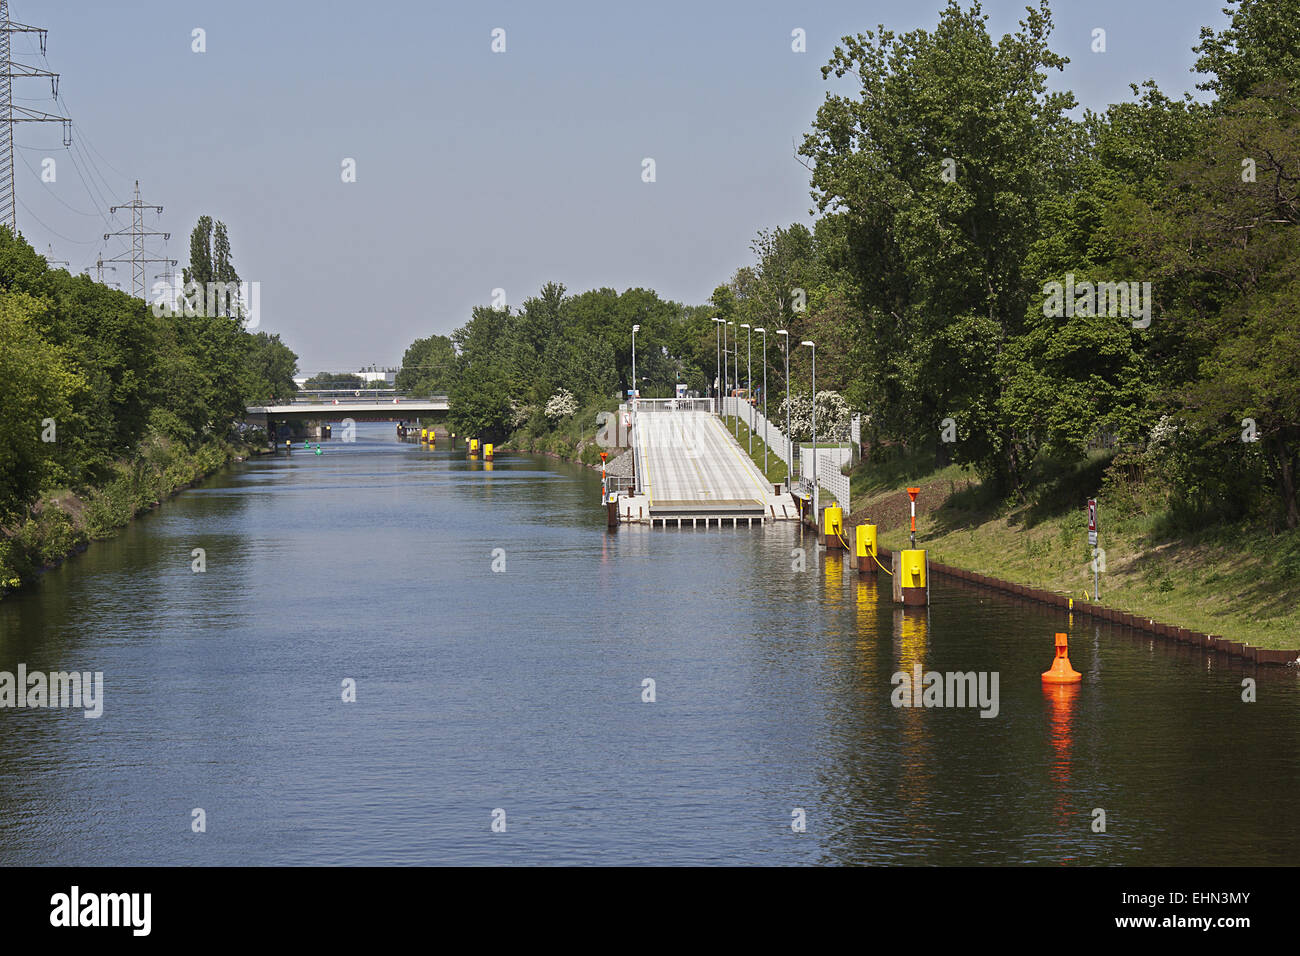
{"points": [[475, 170]]}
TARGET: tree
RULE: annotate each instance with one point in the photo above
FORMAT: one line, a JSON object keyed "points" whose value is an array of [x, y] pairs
{"points": [[1261, 43], [270, 369], [428, 366], [1224, 242], [35, 402], [335, 380], [937, 171]]}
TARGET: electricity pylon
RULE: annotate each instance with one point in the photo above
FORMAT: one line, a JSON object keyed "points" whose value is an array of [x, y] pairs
{"points": [[10, 114]]}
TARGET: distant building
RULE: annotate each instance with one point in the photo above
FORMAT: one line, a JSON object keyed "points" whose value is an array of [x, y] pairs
{"points": [[386, 376]]}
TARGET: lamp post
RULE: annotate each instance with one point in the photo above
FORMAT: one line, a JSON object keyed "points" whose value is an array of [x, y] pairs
{"points": [[789, 445], [735, 343], [718, 383], [749, 388], [766, 435], [816, 497], [636, 389], [725, 370]]}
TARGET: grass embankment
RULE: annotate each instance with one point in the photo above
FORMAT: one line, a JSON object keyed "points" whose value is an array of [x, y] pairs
{"points": [[63, 521], [574, 438], [776, 470], [1238, 580]]}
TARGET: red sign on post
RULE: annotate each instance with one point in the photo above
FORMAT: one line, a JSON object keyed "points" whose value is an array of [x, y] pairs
{"points": [[1092, 522]]}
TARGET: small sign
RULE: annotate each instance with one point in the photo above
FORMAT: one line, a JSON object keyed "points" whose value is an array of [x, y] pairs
{"points": [[913, 492], [1092, 522]]}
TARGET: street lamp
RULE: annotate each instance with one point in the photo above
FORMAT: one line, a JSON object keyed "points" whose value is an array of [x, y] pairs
{"points": [[749, 389], [789, 443], [816, 514], [636, 389], [766, 434], [717, 387], [726, 370], [735, 341]]}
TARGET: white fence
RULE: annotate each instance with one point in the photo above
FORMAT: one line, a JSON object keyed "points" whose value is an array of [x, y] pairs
{"points": [[646, 406], [830, 477], [829, 460], [760, 426]]}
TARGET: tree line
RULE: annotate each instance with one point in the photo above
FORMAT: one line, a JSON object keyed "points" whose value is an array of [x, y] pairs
{"points": [[960, 200], [93, 376]]}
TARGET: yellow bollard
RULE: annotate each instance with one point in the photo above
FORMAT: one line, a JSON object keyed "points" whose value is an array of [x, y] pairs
{"points": [[424, 434], [832, 527], [910, 567], [487, 452], [473, 446], [865, 548]]}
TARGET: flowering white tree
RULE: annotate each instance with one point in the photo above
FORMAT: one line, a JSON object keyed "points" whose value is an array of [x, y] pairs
{"points": [[834, 419], [519, 413], [561, 405]]}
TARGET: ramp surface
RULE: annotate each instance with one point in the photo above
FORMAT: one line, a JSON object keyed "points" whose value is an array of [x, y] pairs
{"points": [[692, 466]]}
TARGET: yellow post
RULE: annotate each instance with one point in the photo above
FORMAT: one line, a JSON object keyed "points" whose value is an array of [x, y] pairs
{"points": [[865, 548], [473, 446], [912, 577], [487, 452], [833, 526], [424, 434]]}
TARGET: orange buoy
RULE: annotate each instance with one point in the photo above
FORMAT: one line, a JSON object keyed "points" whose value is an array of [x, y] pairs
{"points": [[1061, 672]]}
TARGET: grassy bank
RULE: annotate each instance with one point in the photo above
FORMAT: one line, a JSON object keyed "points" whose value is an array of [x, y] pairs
{"points": [[63, 521], [573, 438], [1237, 580], [776, 469]]}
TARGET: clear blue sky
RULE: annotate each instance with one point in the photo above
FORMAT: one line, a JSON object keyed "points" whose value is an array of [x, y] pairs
{"points": [[475, 170]]}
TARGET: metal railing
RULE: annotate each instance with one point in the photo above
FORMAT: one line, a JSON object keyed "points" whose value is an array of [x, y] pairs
{"points": [[652, 405], [828, 463], [618, 485]]}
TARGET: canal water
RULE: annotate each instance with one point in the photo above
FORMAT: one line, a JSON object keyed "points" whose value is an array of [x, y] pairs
{"points": [[521, 690]]}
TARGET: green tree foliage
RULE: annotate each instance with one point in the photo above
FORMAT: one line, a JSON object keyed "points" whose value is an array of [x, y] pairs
{"points": [[338, 380], [1261, 43], [938, 169], [35, 403], [116, 377], [508, 363], [1224, 242], [427, 367], [269, 369]]}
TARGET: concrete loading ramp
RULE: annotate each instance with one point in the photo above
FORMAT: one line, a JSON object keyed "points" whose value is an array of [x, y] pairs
{"points": [[691, 468]]}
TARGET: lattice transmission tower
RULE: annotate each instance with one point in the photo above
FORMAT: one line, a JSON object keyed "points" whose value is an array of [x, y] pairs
{"points": [[10, 114], [137, 232]]}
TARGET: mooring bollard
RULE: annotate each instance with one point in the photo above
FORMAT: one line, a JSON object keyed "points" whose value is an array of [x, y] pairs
{"points": [[911, 580], [1061, 672], [487, 452], [832, 527], [865, 548]]}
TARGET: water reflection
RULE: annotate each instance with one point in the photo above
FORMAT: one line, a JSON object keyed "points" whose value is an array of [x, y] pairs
{"points": [[478, 689]]}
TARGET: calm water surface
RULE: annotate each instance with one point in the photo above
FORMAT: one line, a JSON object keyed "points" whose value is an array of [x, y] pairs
{"points": [[521, 690]]}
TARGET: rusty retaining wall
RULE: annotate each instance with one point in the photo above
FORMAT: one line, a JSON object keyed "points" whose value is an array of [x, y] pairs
{"points": [[1181, 635]]}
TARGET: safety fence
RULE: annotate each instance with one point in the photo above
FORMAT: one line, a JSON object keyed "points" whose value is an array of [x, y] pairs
{"points": [[829, 460]]}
